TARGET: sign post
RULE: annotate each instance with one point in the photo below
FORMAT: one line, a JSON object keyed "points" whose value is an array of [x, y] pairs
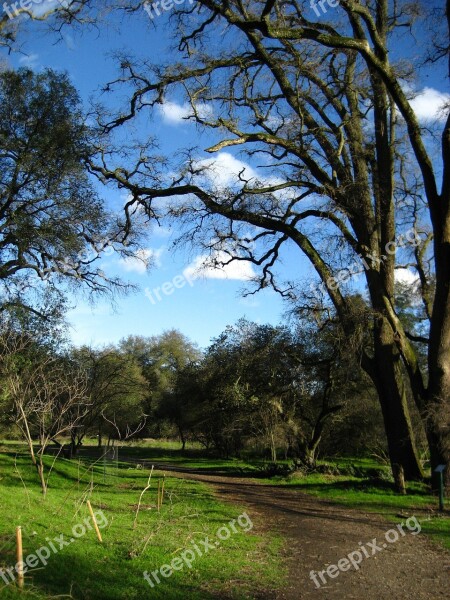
{"points": [[440, 469]]}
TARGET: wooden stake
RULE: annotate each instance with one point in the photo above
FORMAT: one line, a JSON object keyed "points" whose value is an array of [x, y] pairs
{"points": [[97, 530], [147, 487], [20, 578], [162, 489], [158, 501]]}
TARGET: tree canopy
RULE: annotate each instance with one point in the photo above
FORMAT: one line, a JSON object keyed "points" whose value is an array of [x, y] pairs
{"points": [[53, 224]]}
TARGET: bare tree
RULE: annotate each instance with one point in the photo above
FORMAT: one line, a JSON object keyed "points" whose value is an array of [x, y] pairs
{"points": [[324, 105], [48, 396]]}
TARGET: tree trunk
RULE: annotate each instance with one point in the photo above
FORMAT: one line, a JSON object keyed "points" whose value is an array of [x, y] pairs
{"points": [[307, 451], [273, 448], [438, 414], [73, 446], [40, 470], [438, 394], [390, 386], [308, 447], [311, 456], [182, 438], [399, 479]]}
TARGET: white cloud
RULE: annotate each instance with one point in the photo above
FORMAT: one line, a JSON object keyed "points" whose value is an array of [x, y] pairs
{"points": [[275, 121], [140, 262], [406, 276], [175, 114], [428, 104], [30, 61], [204, 266], [224, 169], [39, 8]]}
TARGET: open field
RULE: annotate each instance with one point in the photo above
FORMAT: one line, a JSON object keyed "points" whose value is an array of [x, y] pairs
{"points": [[251, 563], [86, 569], [361, 490]]}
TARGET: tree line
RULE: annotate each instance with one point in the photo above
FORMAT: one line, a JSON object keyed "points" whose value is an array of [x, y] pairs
{"points": [[258, 391]]}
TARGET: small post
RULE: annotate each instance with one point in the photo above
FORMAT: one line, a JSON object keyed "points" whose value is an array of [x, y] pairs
{"points": [[158, 501], [440, 470], [162, 488], [97, 530], [20, 578]]}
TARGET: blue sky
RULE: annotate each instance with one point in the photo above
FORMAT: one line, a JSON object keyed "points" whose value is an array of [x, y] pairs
{"points": [[200, 307]]}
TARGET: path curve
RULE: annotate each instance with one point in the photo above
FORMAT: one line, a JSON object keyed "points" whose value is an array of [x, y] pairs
{"points": [[320, 533]]}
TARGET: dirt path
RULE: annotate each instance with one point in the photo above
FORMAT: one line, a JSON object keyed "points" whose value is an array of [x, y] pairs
{"points": [[319, 534]]}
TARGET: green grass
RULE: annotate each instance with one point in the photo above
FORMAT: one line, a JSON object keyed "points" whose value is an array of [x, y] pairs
{"points": [[164, 451], [361, 492], [89, 570], [379, 497]]}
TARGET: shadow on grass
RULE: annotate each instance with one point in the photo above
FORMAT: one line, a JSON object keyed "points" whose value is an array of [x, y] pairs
{"points": [[93, 575], [189, 461]]}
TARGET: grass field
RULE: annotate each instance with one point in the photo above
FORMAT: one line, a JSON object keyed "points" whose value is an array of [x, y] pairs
{"points": [[362, 491], [88, 570]]}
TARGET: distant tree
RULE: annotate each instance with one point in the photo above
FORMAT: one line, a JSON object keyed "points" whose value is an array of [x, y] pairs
{"points": [[185, 407], [261, 386], [162, 358], [117, 391], [332, 380], [265, 378]]}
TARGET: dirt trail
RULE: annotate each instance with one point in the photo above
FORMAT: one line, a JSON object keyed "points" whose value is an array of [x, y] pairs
{"points": [[319, 533]]}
